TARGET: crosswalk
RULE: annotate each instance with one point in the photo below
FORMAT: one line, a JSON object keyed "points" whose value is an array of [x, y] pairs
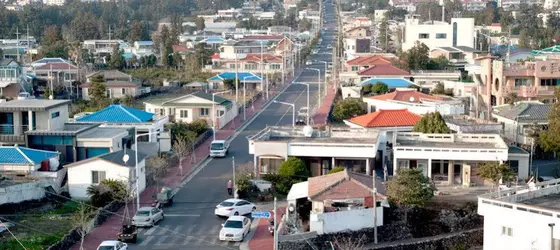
{"points": [[174, 236]]}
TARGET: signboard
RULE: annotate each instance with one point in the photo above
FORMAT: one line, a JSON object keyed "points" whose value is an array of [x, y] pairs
{"points": [[260, 214]]}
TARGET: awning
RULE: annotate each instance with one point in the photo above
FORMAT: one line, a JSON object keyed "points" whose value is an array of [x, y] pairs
{"points": [[298, 191]]}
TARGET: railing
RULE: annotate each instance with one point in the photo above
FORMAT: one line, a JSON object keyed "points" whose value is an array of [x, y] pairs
{"points": [[527, 91], [546, 90], [8, 129]]}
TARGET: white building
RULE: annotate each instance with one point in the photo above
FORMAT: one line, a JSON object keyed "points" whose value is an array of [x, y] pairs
{"points": [[520, 219], [322, 150], [92, 171], [460, 32], [452, 159], [551, 4], [54, 2], [415, 102]]}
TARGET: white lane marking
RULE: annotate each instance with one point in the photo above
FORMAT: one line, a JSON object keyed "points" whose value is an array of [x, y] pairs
{"points": [[146, 241], [150, 231], [182, 215], [162, 240], [162, 230]]}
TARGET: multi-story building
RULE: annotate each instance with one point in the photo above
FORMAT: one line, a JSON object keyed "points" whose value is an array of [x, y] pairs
{"points": [[529, 81], [460, 32], [13, 78], [354, 46], [474, 5], [101, 47]]}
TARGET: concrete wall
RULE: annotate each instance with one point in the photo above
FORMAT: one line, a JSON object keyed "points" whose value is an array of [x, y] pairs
{"points": [[21, 192], [45, 121], [344, 220], [417, 108]]}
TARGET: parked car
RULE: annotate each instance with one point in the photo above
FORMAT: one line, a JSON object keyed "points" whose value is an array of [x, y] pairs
{"points": [[235, 228], [147, 217], [302, 111], [262, 185], [308, 63], [112, 245], [234, 207]]}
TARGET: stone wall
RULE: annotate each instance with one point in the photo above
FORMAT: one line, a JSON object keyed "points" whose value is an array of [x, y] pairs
{"points": [[17, 193], [459, 240], [74, 237]]}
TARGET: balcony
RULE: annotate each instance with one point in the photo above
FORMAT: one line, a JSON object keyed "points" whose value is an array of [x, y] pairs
{"points": [[527, 91], [546, 90], [13, 134]]}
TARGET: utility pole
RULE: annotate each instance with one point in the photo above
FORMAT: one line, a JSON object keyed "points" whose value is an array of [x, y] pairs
{"points": [[17, 43], [109, 33], [275, 223], [28, 44], [233, 169], [374, 208], [236, 79]]}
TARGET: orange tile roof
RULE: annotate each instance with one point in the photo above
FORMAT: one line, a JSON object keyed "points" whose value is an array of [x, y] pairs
{"points": [[383, 70], [406, 96], [265, 57], [342, 185], [369, 60], [179, 48], [215, 56], [387, 118]]}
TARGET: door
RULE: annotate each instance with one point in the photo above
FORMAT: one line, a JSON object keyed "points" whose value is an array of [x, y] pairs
{"points": [[240, 208], [466, 175]]}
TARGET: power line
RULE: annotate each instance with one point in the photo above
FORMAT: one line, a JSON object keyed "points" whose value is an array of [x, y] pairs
{"points": [[7, 229]]}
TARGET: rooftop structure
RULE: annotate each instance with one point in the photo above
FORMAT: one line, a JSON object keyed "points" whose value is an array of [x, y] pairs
{"points": [[468, 124], [415, 102]]}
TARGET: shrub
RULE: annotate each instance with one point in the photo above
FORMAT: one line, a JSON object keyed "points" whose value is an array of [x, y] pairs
{"points": [[336, 170], [106, 192], [294, 168]]}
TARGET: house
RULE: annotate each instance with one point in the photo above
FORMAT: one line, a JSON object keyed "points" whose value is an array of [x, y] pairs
{"points": [[382, 71], [252, 80], [521, 218], [322, 150], [195, 106], [20, 116], [266, 63], [118, 85], [358, 32], [93, 171], [415, 102], [13, 79], [392, 83], [460, 32], [120, 116], [101, 48], [22, 161], [522, 120], [143, 48], [530, 81], [337, 202], [58, 70], [467, 124], [363, 62], [429, 79], [354, 46], [458, 56], [452, 159], [77, 142], [388, 121]]}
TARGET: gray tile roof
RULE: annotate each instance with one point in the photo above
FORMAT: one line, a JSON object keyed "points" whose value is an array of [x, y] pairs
{"points": [[31, 104], [450, 49], [466, 49], [117, 157], [526, 112]]}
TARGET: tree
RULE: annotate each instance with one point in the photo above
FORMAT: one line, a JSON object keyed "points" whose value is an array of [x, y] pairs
{"points": [[199, 24], [156, 168], [432, 123], [98, 91], [549, 139], [180, 147], [82, 221], [348, 108], [104, 193], [410, 188], [384, 36], [379, 88], [348, 243], [294, 168], [117, 59], [438, 63], [336, 169], [524, 39], [416, 58], [494, 172]]}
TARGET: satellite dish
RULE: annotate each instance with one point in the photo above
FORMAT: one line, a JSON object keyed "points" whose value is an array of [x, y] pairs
{"points": [[125, 158], [411, 99]]}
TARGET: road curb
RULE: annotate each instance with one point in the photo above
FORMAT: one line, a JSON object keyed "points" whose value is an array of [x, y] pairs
{"points": [[245, 244]]}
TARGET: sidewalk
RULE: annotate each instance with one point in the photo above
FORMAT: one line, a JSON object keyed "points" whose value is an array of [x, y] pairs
{"points": [[322, 114], [113, 225]]}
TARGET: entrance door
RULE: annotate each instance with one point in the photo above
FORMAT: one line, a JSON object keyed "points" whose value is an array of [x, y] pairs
{"points": [[466, 175]]}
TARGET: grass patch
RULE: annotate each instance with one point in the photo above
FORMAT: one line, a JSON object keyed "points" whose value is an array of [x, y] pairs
{"points": [[31, 242], [68, 207]]}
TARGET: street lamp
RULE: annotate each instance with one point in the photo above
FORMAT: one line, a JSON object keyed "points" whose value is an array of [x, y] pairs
{"points": [[324, 79], [306, 84], [319, 82], [214, 111], [294, 109], [125, 159]]}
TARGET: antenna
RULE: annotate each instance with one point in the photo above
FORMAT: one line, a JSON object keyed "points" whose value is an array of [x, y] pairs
{"points": [[28, 44]]}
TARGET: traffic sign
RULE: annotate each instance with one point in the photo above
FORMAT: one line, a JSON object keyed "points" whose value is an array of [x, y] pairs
{"points": [[260, 214]]}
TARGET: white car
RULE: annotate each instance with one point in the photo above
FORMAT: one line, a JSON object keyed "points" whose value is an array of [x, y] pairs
{"points": [[231, 207], [302, 111], [235, 228], [308, 63], [147, 217], [112, 245]]}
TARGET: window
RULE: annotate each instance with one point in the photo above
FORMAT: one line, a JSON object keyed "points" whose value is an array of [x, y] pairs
{"points": [[123, 91], [97, 177], [454, 34], [507, 231], [183, 113], [275, 66], [521, 82], [204, 111], [232, 65], [354, 68], [423, 36], [55, 114], [441, 36]]}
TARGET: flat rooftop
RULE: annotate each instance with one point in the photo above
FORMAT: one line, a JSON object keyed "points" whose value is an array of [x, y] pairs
{"points": [[474, 141], [447, 144], [101, 133], [547, 202], [317, 135], [464, 120], [31, 104]]}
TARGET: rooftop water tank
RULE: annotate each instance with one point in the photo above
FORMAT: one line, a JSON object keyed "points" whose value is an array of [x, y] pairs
{"points": [[53, 164], [308, 131]]}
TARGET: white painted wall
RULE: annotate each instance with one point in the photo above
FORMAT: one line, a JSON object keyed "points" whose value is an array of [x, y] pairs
{"points": [[311, 149], [523, 171], [45, 121], [417, 108], [21, 192], [80, 176], [344, 220], [465, 33]]}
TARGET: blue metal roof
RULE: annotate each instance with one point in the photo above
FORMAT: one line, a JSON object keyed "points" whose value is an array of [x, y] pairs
{"points": [[118, 114], [145, 42], [214, 39], [22, 155], [391, 82], [242, 76]]}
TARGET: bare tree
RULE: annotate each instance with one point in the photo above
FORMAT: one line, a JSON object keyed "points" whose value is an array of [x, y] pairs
{"points": [[245, 170], [348, 243], [156, 169], [181, 147], [82, 220]]}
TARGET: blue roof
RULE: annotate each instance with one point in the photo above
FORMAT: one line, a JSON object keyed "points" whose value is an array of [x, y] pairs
{"points": [[145, 42], [22, 155], [242, 76], [391, 82], [31, 76], [214, 39], [127, 55], [118, 114]]}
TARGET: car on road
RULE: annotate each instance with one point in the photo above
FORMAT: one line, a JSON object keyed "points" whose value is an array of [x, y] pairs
{"points": [[302, 111], [112, 245], [308, 63], [330, 65], [147, 217], [219, 148], [234, 207], [329, 46], [235, 228]]}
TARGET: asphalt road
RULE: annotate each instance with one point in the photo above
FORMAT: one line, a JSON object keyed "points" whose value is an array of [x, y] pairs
{"points": [[190, 223]]}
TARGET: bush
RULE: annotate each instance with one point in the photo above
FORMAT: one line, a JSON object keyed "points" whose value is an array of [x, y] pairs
{"points": [[294, 168], [336, 170], [347, 109], [245, 189], [106, 192]]}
